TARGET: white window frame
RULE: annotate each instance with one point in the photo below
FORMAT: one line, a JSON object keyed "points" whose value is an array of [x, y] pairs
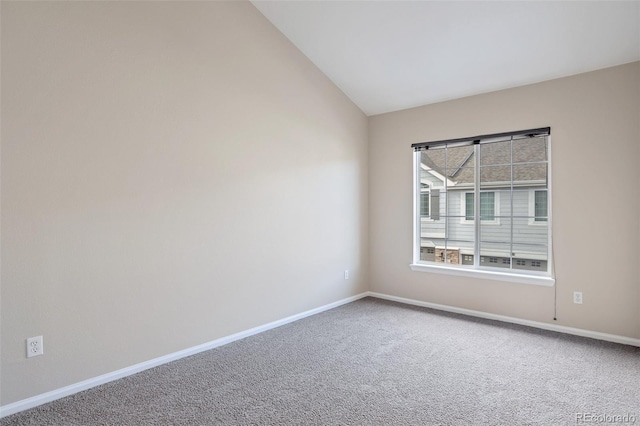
{"points": [[470, 271]]}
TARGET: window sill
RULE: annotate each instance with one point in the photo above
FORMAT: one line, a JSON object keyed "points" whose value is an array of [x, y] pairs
{"points": [[489, 275]]}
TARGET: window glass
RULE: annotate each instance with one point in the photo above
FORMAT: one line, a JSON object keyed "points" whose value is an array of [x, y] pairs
{"points": [[487, 206], [540, 207], [511, 179], [424, 203]]}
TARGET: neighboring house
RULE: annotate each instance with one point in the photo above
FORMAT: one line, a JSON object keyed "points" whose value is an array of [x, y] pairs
{"points": [[519, 208]]}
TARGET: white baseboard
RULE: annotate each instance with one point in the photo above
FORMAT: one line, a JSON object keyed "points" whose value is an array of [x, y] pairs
{"points": [[37, 400], [545, 326]]}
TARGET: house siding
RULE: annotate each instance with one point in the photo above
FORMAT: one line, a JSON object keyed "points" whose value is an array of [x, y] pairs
{"points": [[529, 238]]}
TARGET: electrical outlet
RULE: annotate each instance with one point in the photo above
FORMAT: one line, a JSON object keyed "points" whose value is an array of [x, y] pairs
{"points": [[346, 274], [577, 297], [35, 346]]}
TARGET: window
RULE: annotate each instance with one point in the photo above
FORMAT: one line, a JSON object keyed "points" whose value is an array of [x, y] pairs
{"points": [[538, 209], [492, 205], [469, 205], [424, 200], [429, 201], [488, 207], [540, 206]]}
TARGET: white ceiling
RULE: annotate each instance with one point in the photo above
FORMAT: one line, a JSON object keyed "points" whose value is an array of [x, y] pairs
{"points": [[392, 55]]}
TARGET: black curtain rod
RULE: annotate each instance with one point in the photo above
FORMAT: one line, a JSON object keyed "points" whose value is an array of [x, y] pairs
{"points": [[478, 139]]}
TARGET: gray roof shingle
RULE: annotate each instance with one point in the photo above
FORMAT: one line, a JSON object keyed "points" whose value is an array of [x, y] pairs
{"points": [[457, 163]]}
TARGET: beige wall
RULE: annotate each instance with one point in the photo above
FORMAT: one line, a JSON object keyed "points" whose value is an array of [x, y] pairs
{"points": [[596, 198], [176, 172], [171, 173]]}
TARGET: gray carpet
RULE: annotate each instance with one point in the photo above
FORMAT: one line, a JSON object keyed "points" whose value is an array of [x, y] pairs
{"points": [[372, 362]]}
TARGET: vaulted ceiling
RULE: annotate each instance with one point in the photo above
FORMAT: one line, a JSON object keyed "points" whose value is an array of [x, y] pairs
{"points": [[392, 55]]}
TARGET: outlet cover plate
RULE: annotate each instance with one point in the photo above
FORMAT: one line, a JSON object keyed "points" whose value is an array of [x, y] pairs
{"points": [[35, 346], [577, 297]]}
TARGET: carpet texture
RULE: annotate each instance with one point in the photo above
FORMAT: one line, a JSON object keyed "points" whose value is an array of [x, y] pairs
{"points": [[372, 362]]}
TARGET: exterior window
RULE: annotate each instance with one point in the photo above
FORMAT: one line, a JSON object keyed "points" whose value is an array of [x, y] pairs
{"points": [[540, 206], [487, 206], [504, 178], [424, 200], [469, 206]]}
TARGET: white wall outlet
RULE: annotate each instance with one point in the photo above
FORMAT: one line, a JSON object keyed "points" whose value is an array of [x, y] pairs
{"points": [[35, 346], [346, 274], [577, 297]]}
